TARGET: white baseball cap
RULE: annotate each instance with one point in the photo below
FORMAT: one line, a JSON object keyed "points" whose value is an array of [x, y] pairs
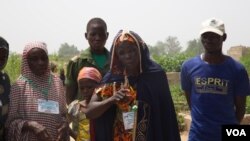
{"points": [[213, 25]]}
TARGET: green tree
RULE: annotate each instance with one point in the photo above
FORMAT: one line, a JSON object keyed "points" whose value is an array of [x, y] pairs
{"points": [[154, 51], [170, 46], [67, 51], [194, 47]]}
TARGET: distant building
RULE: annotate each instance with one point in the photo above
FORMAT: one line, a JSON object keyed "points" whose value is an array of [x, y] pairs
{"points": [[238, 51]]}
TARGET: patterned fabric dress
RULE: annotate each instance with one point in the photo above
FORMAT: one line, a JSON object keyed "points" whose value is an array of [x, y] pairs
{"points": [[83, 132], [24, 96], [120, 133]]}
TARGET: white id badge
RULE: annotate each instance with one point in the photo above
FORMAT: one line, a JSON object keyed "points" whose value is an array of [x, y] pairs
{"points": [[1, 104], [128, 120], [48, 106]]}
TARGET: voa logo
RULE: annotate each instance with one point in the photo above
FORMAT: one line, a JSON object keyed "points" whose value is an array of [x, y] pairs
{"points": [[236, 132]]}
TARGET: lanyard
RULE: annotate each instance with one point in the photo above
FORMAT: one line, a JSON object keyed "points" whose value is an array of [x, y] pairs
{"points": [[44, 91]]}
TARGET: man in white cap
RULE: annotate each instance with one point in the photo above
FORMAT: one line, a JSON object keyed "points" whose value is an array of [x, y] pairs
{"points": [[215, 85]]}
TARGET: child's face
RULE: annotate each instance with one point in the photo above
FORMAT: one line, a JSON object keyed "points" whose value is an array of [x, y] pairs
{"points": [[87, 87], [96, 36], [3, 57]]}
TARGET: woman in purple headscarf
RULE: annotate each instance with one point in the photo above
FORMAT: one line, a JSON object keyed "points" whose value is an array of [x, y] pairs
{"points": [[134, 102]]}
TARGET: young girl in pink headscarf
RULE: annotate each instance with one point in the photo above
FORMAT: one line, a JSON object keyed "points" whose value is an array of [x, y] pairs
{"points": [[88, 79]]}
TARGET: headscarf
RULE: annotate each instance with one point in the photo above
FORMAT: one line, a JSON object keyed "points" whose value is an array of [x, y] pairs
{"points": [[90, 73], [25, 69], [43, 81], [146, 64], [124, 36]]}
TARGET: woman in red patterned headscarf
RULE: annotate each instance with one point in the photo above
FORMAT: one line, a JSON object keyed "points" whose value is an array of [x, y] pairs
{"points": [[37, 100]]}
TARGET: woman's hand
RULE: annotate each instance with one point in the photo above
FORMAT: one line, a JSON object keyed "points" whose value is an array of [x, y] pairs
{"points": [[119, 95], [63, 131], [39, 130]]}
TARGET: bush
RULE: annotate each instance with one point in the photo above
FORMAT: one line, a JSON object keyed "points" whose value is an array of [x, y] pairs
{"points": [[13, 67], [171, 63], [245, 60], [179, 99], [248, 105], [180, 104]]}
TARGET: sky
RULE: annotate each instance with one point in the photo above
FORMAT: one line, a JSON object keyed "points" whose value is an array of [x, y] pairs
{"points": [[64, 21]]}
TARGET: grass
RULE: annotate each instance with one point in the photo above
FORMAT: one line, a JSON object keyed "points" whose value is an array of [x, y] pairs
{"points": [[180, 104], [248, 105]]}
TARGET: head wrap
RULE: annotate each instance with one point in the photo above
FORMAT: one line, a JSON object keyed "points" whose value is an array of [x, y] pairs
{"points": [[25, 70], [123, 36], [90, 73]]}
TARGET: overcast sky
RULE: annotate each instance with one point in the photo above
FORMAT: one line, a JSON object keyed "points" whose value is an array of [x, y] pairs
{"points": [[59, 21]]}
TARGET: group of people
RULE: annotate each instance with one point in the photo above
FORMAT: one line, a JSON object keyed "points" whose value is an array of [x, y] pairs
{"points": [[121, 95]]}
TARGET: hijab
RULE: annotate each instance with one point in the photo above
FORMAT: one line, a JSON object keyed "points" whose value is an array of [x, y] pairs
{"points": [[41, 81]]}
